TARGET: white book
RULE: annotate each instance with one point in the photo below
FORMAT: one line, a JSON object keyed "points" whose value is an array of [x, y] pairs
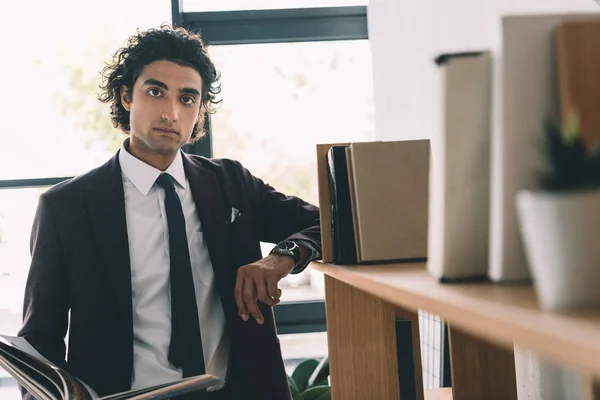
{"points": [[525, 94], [460, 169]]}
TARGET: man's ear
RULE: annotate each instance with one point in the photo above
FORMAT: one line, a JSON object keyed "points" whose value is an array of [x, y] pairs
{"points": [[125, 98]]}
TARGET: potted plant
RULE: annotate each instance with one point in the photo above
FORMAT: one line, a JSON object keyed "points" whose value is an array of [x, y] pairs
{"points": [[560, 221], [310, 380]]}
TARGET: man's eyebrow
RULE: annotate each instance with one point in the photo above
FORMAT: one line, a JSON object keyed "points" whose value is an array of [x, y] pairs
{"points": [[190, 91], [155, 83]]}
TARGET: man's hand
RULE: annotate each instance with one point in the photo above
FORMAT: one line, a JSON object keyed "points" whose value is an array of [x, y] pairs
{"points": [[259, 281]]}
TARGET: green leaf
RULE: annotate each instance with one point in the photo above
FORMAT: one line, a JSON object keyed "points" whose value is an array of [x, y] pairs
{"points": [[296, 395], [317, 393], [303, 372], [292, 383], [569, 165], [573, 125], [321, 383], [325, 396]]}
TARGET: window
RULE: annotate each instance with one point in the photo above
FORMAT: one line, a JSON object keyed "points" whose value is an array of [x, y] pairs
{"points": [[57, 127], [17, 209], [233, 5], [279, 101]]}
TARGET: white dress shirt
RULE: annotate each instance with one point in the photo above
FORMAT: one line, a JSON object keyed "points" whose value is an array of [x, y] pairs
{"points": [[148, 235]]}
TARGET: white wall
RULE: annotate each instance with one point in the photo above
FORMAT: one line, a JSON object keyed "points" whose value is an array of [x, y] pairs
{"points": [[406, 35]]}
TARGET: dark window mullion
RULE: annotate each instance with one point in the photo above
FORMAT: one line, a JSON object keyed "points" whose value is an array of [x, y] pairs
{"points": [[276, 26], [177, 12], [29, 183]]}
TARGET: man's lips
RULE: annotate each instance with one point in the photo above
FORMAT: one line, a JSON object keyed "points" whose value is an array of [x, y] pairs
{"points": [[167, 130]]}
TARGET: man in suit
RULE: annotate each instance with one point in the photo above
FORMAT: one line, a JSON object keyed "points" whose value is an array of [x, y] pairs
{"points": [[152, 261]]}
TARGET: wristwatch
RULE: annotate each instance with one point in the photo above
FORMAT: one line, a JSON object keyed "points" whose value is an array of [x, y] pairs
{"points": [[288, 248]]}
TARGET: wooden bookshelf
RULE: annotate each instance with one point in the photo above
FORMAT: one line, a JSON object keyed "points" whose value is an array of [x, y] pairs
{"points": [[486, 320]]}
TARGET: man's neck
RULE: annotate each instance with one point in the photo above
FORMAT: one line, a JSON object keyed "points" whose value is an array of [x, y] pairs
{"points": [[158, 161]]}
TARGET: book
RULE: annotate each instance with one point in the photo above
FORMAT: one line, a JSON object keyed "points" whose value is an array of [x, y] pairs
{"points": [[578, 57], [460, 170], [390, 193], [45, 381], [325, 200], [525, 94], [342, 225], [353, 202]]}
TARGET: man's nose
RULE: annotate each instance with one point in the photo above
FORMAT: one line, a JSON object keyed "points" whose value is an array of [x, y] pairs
{"points": [[169, 113]]}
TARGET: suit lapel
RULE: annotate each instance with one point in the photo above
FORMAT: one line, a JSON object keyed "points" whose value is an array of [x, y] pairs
{"points": [[212, 208], [107, 208]]}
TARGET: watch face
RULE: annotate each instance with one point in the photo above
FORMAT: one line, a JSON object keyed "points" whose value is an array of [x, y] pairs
{"points": [[289, 248], [287, 245]]}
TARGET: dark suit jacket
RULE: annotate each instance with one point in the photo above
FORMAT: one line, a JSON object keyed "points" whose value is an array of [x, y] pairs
{"points": [[80, 264]]}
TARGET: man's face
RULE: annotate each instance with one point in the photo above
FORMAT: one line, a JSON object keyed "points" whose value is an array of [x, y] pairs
{"points": [[163, 110]]}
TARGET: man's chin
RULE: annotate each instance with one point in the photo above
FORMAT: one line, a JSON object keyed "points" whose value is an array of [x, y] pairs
{"points": [[166, 149]]}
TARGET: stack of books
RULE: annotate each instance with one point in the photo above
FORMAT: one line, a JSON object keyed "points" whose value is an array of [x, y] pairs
{"points": [[374, 201]]}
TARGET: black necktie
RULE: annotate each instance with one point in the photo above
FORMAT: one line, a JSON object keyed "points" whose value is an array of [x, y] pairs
{"points": [[185, 349]]}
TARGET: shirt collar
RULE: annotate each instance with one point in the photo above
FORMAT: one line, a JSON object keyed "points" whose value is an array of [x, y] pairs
{"points": [[143, 175]]}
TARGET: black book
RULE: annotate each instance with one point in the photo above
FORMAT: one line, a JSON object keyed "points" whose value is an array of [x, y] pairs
{"points": [[46, 381], [342, 223]]}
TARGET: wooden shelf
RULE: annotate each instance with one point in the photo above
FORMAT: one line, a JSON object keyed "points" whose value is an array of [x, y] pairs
{"points": [[503, 314]]}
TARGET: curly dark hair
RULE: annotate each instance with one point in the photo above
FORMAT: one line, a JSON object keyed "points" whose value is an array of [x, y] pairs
{"points": [[177, 45]]}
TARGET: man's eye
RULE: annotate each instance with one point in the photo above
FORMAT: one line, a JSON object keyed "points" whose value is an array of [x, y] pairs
{"points": [[154, 92], [188, 100]]}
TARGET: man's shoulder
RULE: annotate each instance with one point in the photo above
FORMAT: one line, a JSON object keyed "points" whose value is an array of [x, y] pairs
{"points": [[226, 166], [214, 162], [70, 186], [95, 178]]}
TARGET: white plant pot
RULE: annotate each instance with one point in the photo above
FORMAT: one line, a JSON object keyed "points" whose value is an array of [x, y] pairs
{"points": [[561, 236]]}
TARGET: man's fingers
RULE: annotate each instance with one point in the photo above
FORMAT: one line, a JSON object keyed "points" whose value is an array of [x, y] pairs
{"points": [[250, 300], [256, 282], [239, 294], [263, 294], [274, 291]]}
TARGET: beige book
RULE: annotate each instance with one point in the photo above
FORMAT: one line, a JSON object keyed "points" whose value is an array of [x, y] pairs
{"points": [[353, 200], [391, 189], [460, 171], [525, 94]]}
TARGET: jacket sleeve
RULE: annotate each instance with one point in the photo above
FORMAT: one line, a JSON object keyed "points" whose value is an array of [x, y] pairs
{"points": [[282, 217], [46, 301]]}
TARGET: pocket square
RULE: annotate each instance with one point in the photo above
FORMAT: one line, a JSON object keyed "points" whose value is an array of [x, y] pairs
{"points": [[235, 213]]}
